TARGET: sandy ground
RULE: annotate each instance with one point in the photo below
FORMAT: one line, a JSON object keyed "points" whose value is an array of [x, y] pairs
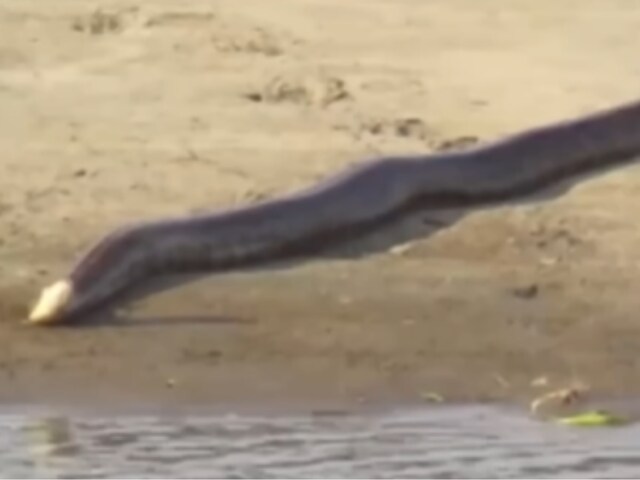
{"points": [[116, 111]]}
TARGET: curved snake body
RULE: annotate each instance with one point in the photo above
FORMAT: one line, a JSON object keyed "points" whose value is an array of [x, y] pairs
{"points": [[356, 199]]}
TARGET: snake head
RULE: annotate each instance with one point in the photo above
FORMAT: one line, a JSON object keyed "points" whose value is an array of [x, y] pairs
{"points": [[51, 305]]}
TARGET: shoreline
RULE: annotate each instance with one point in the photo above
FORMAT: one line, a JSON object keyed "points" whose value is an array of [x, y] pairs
{"points": [[478, 309]]}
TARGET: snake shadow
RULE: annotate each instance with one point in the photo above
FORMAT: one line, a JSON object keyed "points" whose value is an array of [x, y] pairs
{"points": [[109, 316], [416, 221]]}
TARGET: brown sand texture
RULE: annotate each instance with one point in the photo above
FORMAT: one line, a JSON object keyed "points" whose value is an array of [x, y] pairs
{"points": [[113, 111]]}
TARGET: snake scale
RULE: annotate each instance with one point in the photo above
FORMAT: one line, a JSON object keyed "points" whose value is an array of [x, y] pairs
{"points": [[356, 199]]}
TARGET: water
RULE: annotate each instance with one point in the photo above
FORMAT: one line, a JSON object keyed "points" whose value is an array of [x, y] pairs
{"points": [[461, 442]]}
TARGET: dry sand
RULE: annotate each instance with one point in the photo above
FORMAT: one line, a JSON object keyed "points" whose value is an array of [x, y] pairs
{"points": [[112, 112]]}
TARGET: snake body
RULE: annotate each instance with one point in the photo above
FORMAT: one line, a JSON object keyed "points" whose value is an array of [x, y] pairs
{"points": [[355, 199]]}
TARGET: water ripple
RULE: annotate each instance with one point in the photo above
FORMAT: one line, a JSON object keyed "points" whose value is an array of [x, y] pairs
{"points": [[462, 442]]}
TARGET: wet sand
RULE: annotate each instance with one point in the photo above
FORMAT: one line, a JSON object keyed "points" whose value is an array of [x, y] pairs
{"points": [[118, 111]]}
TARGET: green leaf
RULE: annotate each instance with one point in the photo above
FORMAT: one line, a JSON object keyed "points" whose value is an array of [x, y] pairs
{"points": [[596, 418]]}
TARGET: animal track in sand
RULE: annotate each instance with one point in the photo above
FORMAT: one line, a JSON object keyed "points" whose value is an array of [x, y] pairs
{"points": [[320, 90], [225, 35]]}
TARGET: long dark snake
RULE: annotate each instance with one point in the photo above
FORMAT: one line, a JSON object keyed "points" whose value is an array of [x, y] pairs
{"points": [[355, 200]]}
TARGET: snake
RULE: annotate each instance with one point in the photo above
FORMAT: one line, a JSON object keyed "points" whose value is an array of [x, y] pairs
{"points": [[356, 199]]}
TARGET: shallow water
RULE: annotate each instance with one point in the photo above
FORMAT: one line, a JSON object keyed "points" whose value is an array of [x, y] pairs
{"points": [[476, 441]]}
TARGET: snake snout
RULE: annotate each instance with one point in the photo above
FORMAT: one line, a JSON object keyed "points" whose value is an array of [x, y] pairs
{"points": [[52, 303]]}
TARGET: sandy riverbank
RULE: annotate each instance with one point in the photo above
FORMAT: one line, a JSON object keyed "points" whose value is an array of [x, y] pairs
{"points": [[156, 109]]}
